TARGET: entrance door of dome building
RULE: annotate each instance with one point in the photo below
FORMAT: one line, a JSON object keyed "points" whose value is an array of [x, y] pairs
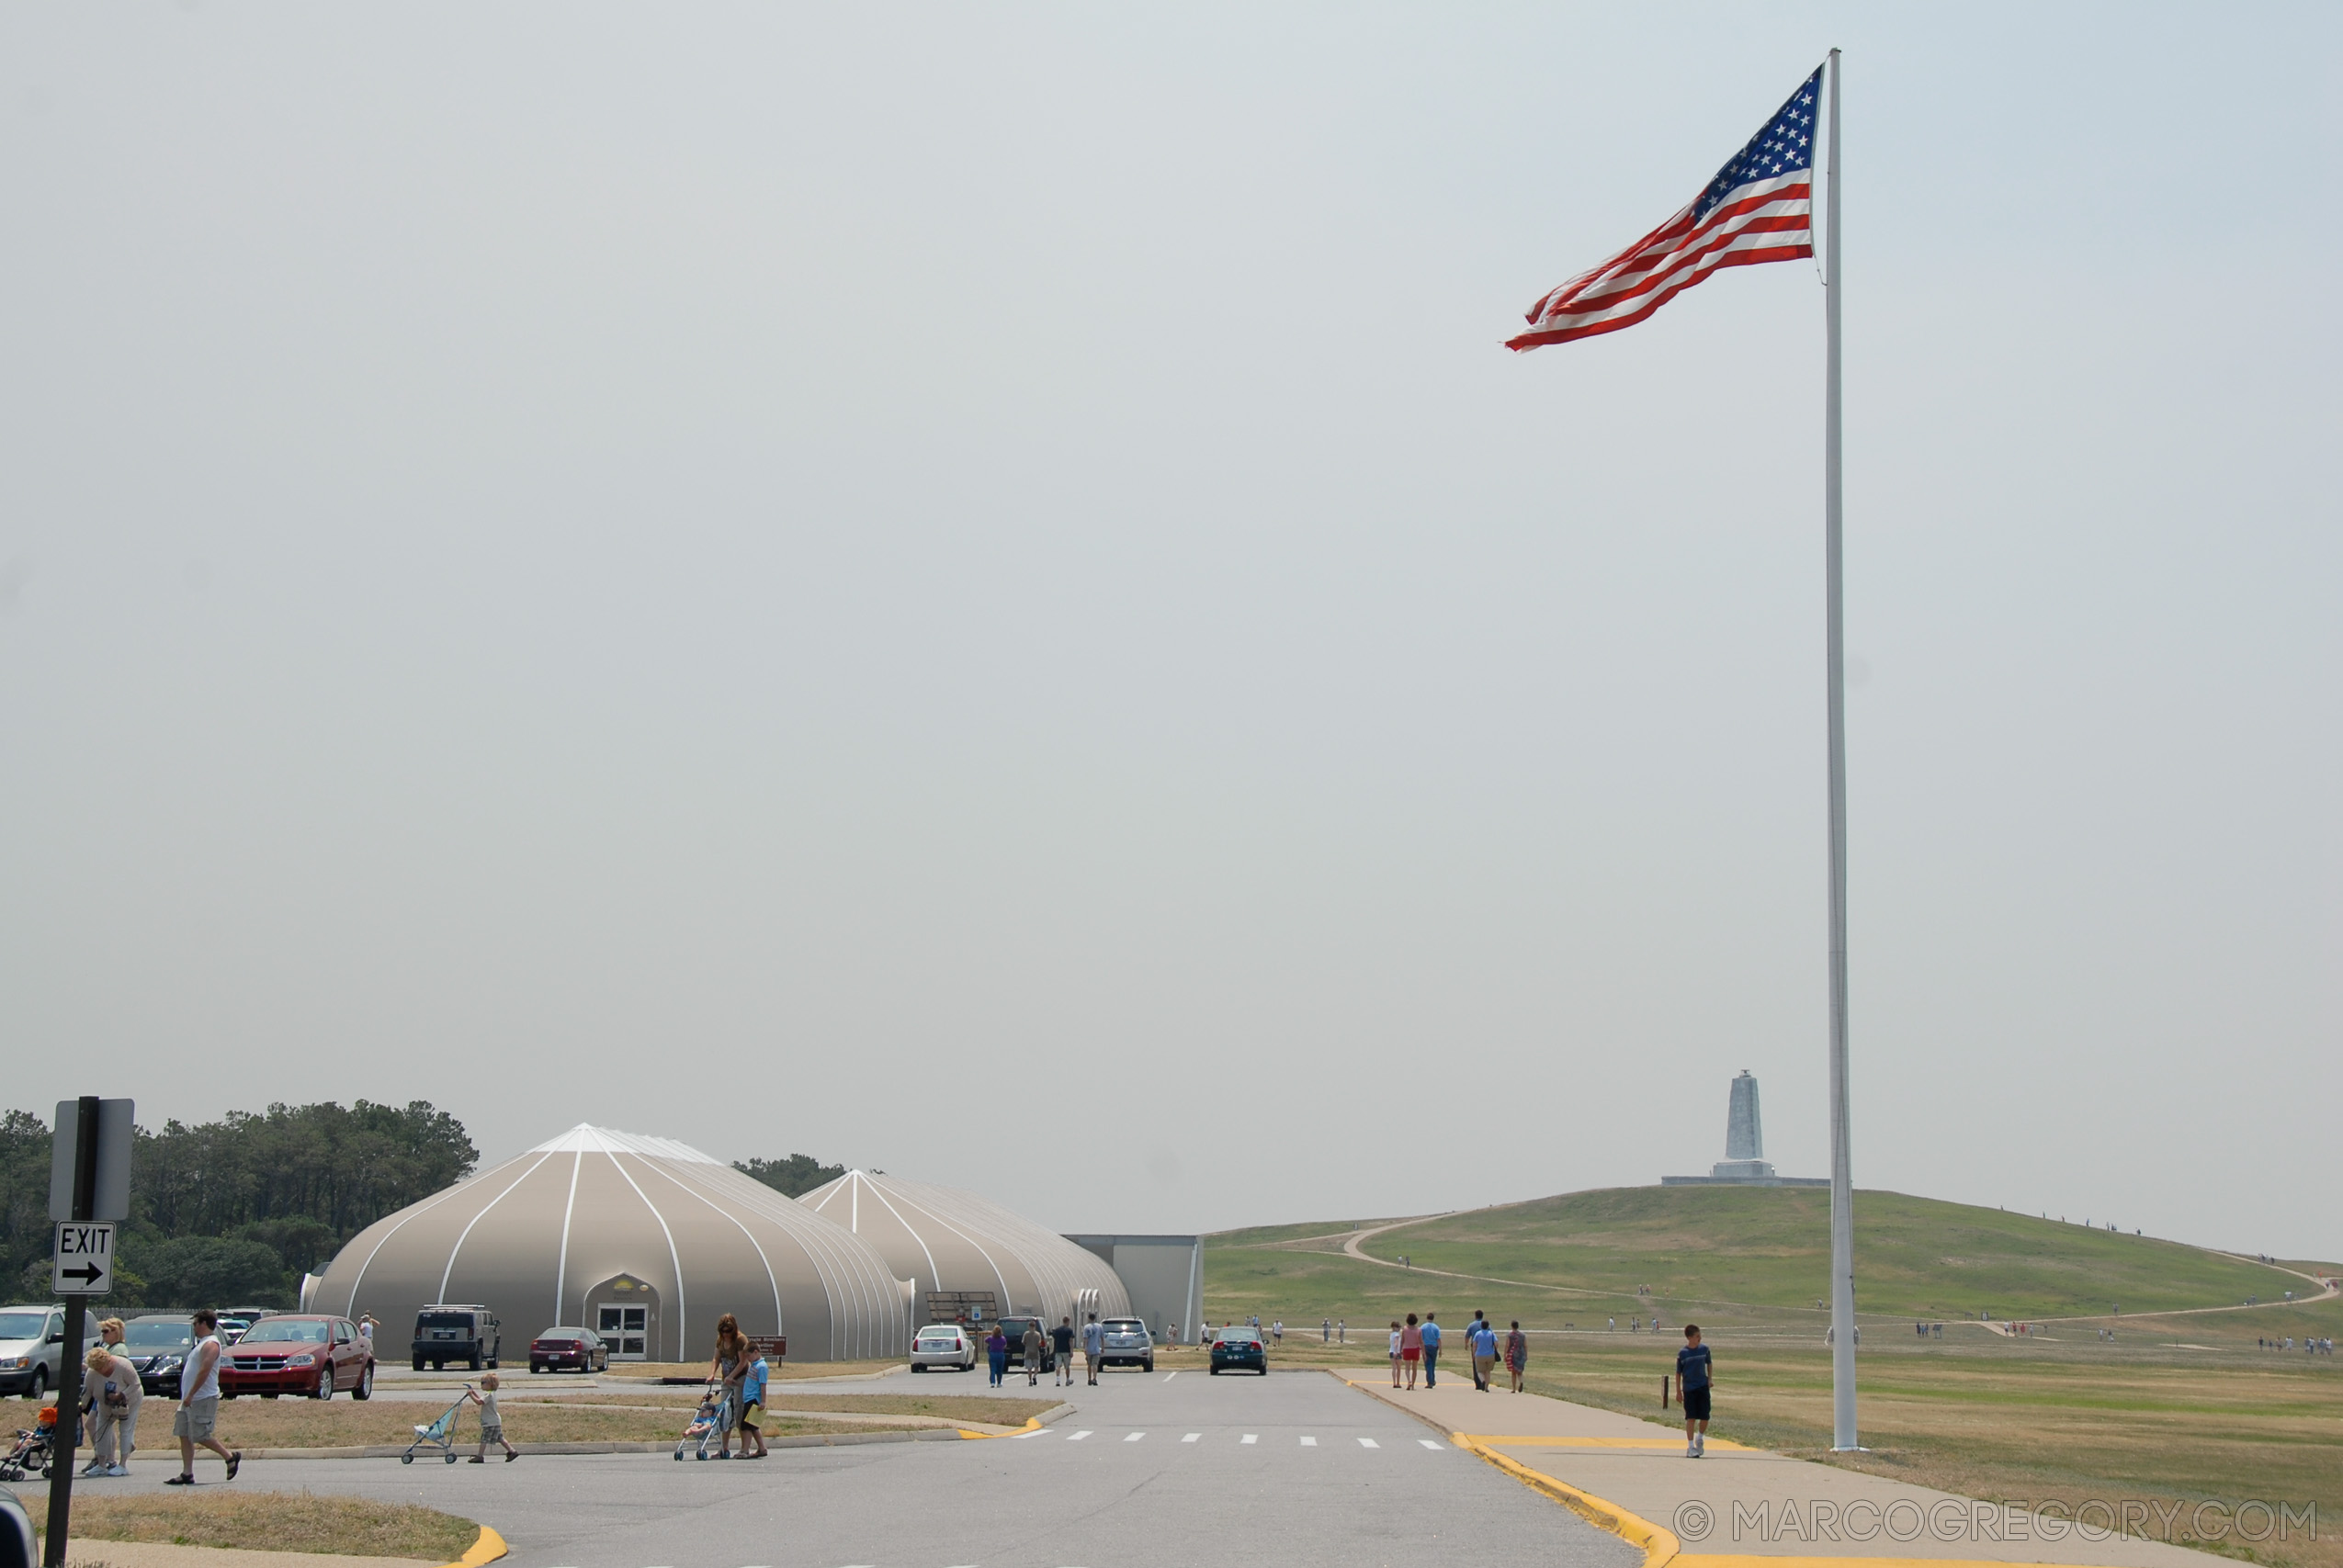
{"points": [[625, 1312]]}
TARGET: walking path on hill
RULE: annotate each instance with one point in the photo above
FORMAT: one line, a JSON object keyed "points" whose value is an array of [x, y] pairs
{"points": [[2327, 1289], [1742, 1506]]}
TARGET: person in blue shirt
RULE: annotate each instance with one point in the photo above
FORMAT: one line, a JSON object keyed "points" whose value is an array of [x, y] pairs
{"points": [[1430, 1352], [1484, 1344], [1692, 1377], [752, 1409]]}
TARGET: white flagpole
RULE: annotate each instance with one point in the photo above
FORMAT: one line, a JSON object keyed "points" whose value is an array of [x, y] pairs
{"points": [[1842, 1184]]}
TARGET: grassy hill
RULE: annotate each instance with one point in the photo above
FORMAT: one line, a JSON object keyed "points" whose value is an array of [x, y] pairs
{"points": [[1748, 1255]]}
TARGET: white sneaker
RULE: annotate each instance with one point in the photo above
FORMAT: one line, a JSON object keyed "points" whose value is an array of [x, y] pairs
{"points": [[118, 1472], [1691, 1452]]}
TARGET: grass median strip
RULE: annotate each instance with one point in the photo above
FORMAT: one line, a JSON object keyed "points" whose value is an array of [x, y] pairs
{"points": [[277, 1521], [584, 1418]]}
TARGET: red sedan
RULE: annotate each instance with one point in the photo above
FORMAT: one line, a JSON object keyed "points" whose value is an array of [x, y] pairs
{"points": [[297, 1353]]}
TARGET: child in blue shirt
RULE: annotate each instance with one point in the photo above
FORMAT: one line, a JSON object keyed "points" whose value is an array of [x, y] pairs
{"points": [[752, 1407]]}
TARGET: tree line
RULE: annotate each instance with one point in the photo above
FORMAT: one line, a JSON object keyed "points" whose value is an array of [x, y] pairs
{"points": [[237, 1210]]}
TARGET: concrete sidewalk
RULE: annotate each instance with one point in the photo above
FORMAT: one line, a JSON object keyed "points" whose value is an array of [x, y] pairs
{"points": [[1747, 1505]]}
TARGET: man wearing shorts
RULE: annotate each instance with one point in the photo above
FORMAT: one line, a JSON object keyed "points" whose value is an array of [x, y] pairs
{"points": [[198, 1414], [1094, 1347], [1484, 1347], [1061, 1344], [1692, 1391]]}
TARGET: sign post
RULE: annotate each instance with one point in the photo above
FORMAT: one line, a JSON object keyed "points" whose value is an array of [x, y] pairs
{"points": [[90, 1179]]}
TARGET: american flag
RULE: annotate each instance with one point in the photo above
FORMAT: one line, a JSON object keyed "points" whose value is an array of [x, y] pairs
{"points": [[1760, 208]]}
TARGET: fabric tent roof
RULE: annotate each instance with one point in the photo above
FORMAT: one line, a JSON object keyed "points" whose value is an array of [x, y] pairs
{"points": [[535, 1237], [945, 1239]]}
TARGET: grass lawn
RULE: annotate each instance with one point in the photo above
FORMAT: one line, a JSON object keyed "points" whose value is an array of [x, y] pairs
{"points": [[274, 1521], [616, 1416], [2175, 1409]]}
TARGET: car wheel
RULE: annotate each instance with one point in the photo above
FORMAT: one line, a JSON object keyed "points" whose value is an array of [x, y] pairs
{"points": [[536, 1367], [1215, 1372], [39, 1385], [268, 1396], [475, 1363], [324, 1388], [418, 1363], [917, 1368], [365, 1383], [492, 1363], [438, 1366], [1147, 1365]]}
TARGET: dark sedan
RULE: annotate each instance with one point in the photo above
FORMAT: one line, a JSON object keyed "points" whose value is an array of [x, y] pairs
{"points": [[158, 1347], [582, 1349], [1237, 1345]]}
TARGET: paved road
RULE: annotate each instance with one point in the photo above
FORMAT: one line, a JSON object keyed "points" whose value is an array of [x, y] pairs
{"points": [[1151, 1471]]}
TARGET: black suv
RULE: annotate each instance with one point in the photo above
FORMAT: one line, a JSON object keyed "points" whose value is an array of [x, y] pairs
{"points": [[445, 1332], [1014, 1327]]}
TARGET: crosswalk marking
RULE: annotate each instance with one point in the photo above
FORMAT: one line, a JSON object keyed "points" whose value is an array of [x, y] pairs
{"points": [[1134, 1437], [1369, 1443], [1428, 1442], [1249, 1438], [1077, 1437], [1310, 1442], [1192, 1437]]}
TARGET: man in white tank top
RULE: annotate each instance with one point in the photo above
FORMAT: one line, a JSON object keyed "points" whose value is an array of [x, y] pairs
{"points": [[200, 1401]]}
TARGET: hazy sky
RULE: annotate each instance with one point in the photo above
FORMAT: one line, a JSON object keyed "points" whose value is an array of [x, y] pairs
{"points": [[971, 590]]}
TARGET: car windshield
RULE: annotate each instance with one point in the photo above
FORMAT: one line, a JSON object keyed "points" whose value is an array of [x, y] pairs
{"points": [[157, 1334], [21, 1325], [273, 1330]]}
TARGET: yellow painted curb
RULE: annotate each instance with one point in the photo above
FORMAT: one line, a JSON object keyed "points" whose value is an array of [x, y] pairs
{"points": [[1659, 1546], [1033, 1424], [487, 1548]]}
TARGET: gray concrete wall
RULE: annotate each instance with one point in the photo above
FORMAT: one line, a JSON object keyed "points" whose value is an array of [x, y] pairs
{"points": [[1164, 1275]]}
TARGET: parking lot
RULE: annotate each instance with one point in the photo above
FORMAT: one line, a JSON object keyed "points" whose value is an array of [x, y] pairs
{"points": [[1148, 1469]]}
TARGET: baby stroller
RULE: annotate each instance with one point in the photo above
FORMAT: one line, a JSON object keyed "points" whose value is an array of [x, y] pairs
{"points": [[30, 1454], [714, 1420], [440, 1434]]}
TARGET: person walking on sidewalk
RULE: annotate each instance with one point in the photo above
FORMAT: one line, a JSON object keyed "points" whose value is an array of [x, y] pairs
{"points": [[198, 1416], [1410, 1349], [1517, 1354], [112, 1400], [1094, 1347], [1430, 1351], [996, 1353], [1032, 1346], [1062, 1342], [1483, 1338], [1395, 1352], [1693, 1376]]}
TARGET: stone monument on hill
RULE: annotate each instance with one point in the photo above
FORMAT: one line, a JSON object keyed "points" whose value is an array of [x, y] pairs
{"points": [[1744, 1164]]}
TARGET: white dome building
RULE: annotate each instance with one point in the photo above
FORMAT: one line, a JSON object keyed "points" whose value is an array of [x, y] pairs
{"points": [[646, 1240], [970, 1251]]}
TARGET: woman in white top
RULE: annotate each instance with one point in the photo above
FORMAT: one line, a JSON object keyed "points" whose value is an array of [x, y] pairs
{"points": [[114, 1393]]}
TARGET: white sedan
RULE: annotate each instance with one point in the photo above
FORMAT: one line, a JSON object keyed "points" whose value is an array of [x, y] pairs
{"points": [[943, 1344]]}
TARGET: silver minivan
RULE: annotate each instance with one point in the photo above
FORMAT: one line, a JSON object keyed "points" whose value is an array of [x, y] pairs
{"points": [[32, 1347]]}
